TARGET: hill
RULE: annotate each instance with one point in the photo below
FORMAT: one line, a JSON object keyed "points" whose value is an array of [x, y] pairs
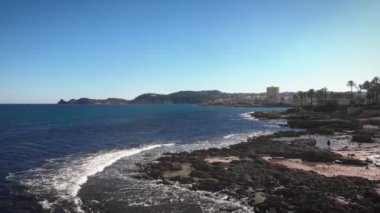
{"points": [[205, 97]]}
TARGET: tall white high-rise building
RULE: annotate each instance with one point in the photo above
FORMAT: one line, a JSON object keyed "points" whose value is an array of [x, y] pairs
{"points": [[273, 93]]}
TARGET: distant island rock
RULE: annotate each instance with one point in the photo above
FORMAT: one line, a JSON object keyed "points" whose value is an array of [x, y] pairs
{"points": [[110, 101]]}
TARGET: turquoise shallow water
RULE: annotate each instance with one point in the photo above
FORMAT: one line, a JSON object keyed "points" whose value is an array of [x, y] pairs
{"points": [[41, 144]]}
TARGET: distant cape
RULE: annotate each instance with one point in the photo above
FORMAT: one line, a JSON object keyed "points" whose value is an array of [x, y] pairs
{"points": [[192, 97], [94, 101], [207, 97]]}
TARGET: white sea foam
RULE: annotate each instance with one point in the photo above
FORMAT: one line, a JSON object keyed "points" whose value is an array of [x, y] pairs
{"points": [[58, 181], [259, 133], [248, 116], [76, 175], [63, 178], [180, 193], [229, 136], [45, 204]]}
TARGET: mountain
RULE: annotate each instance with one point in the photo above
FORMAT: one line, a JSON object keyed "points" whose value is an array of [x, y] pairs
{"points": [[188, 97], [206, 97], [151, 98]]}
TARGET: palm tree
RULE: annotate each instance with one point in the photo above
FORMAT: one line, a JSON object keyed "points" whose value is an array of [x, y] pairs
{"points": [[301, 96], [376, 88], [319, 96], [310, 93], [376, 80], [295, 99], [360, 88], [367, 86], [351, 84], [324, 89]]}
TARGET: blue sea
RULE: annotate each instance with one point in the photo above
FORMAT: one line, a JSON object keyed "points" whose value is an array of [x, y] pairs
{"points": [[85, 158]]}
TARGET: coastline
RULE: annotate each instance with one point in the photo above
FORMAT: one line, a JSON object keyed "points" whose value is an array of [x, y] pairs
{"points": [[286, 171]]}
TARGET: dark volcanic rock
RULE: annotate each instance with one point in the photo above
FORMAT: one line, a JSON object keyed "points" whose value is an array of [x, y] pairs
{"points": [[327, 124], [362, 138], [302, 150], [352, 161], [267, 115], [304, 142], [174, 166], [288, 134], [372, 121], [271, 187], [322, 131]]}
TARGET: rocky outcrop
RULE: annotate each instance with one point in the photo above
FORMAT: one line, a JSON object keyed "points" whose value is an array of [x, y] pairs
{"points": [[371, 121], [335, 124], [268, 115], [362, 138], [370, 113], [326, 123], [241, 173], [301, 149], [303, 142]]}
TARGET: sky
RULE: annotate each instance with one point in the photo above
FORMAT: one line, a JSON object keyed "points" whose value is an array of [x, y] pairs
{"points": [[53, 49]]}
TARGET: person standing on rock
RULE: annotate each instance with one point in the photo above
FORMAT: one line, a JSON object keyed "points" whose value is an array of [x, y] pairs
{"points": [[328, 143]]}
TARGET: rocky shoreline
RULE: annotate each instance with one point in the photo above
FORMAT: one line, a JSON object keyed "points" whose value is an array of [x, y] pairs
{"points": [[285, 171]]}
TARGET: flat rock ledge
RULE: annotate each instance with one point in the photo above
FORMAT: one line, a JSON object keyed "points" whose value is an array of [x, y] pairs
{"points": [[244, 172]]}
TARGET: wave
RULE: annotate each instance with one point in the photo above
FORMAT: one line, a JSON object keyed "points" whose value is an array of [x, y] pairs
{"points": [[248, 116], [57, 183], [229, 136], [259, 133], [61, 179], [209, 201]]}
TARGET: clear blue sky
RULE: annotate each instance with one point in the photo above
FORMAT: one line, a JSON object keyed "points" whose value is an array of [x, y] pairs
{"points": [[52, 49]]}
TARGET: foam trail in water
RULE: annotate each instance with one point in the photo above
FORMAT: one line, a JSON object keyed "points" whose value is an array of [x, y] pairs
{"points": [[63, 180], [228, 136], [248, 116], [78, 174]]}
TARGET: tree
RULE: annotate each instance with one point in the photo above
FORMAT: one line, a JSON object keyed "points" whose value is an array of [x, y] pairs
{"points": [[367, 86], [295, 99], [301, 96], [375, 88], [324, 89], [351, 84], [376, 80], [360, 97], [310, 94], [321, 96]]}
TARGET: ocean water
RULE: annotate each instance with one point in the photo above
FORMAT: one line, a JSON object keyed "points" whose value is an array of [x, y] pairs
{"points": [[84, 158]]}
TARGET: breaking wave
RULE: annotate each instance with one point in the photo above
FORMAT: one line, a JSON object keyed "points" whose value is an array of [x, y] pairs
{"points": [[248, 116], [61, 179]]}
